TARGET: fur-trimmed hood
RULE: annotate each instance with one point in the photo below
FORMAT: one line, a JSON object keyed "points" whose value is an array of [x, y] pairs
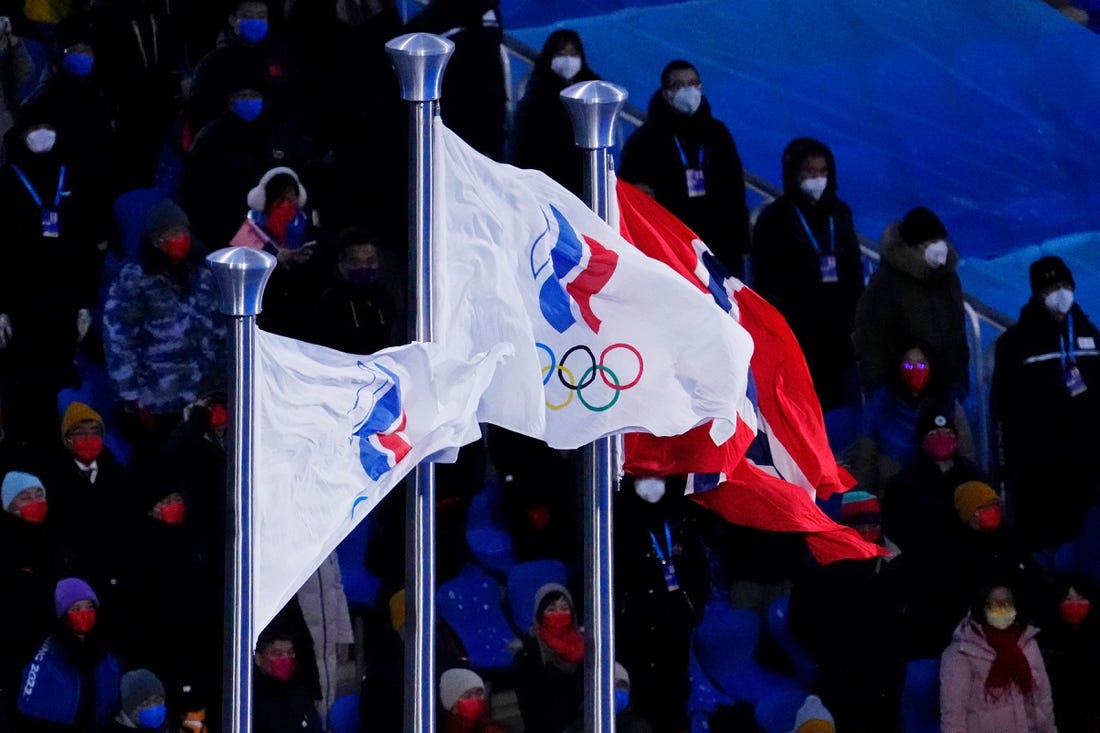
{"points": [[899, 255]]}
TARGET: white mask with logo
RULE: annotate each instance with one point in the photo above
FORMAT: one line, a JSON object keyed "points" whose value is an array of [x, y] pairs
{"points": [[566, 66], [1059, 301], [814, 187], [687, 99], [41, 140], [935, 254]]}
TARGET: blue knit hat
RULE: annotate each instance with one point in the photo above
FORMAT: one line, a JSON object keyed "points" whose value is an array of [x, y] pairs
{"points": [[70, 591], [15, 482]]}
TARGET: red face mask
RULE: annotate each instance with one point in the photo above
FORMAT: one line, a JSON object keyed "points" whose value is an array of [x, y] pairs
{"points": [[557, 622], [173, 513], [538, 517], [1074, 612], [34, 512], [219, 417], [471, 709], [282, 213], [80, 622], [177, 248], [86, 448], [282, 668], [915, 376], [939, 446], [990, 518]]}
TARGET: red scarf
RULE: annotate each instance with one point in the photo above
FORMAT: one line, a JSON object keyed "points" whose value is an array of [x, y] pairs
{"points": [[1010, 666], [567, 644]]}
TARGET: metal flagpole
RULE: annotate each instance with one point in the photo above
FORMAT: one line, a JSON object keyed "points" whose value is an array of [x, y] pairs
{"points": [[241, 274], [594, 107], [419, 60]]}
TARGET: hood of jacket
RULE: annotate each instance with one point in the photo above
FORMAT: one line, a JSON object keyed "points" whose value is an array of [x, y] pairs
{"points": [[899, 255]]}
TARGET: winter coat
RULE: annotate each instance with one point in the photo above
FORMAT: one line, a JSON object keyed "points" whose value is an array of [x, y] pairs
{"points": [[1070, 655], [964, 705], [163, 335], [909, 302], [651, 157], [786, 268], [27, 578], [282, 707], [72, 684], [1048, 437], [325, 610], [550, 699], [350, 319]]}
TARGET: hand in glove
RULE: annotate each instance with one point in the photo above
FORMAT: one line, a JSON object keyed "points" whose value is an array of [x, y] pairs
{"points": [[83, 323]]}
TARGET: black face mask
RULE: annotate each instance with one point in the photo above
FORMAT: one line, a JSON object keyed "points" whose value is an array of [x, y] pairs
{"points": [[362, 278]]}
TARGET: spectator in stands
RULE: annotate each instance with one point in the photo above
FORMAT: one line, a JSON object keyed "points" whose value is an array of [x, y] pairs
{"points": [[50, 232], [143, 704], [888, 424], [914, 297], [1044, 398], [72, 683], [806, 262], [626, 720], [355, 311], [162, 334], [88, 487], [16, 70], [813, 717], [548, 669], [324, 607], [543, 130], [465, 703], [661, 587], [281, 702], [1071, 642], [474, 98], [992, 676], [686, 158]]}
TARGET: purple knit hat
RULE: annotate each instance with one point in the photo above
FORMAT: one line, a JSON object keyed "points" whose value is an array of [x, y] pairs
{"points": [[70, 591]]}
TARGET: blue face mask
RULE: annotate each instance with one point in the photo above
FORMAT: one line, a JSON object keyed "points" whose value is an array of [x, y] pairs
{"points": [[252, 30], [153, 717], [247, 109], [78, 64], [622, 699]]}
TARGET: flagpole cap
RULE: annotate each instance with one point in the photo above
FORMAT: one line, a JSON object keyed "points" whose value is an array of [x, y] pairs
{"points": [[594, 108], [419, 60], [241, 274]]}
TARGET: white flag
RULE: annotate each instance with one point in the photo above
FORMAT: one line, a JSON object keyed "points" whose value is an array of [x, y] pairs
{"points": [[606, 339], [334, 433]]}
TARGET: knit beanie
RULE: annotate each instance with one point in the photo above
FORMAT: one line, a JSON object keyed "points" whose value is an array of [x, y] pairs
{"points": [[78, 412], [622, 674], [1047, 271], [542, 598], [164, 216], [138, 686], [397, 610], [921, 225], [934, 417], [454, 683], [972, 496], [812, 717], [15, 482], [860, 507], [70, 591]]}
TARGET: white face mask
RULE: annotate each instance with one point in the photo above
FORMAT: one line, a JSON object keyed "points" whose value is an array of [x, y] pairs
{"points": [[1001, 619], [650, 489], [687, 99], [935, 254], [1059, 301], [41, 140], [566, 66], [814, 187]]}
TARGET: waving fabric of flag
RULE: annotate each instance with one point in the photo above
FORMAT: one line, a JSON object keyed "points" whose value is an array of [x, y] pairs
{"points": [[768, 479], [335, 432], [606, 339]]}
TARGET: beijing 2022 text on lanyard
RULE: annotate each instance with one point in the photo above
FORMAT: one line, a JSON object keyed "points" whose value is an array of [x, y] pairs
{"points": [[695, 184], [1075, 383], [50, 223], [665, 558], [827, 260]]}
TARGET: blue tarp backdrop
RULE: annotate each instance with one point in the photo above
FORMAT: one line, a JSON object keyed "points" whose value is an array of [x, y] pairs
{"points": [[986, 111]]}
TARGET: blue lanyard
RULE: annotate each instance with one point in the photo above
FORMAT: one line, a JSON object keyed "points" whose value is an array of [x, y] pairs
{"points": [[657, 545], [1069, 351], [683, 156], [34, 194], [810, 234]]}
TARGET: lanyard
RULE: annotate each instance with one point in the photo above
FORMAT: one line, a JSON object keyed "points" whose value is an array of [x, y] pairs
{"points": [[683, 156], [657, 546], [810, 234], [34, 194], [1069, 351]]}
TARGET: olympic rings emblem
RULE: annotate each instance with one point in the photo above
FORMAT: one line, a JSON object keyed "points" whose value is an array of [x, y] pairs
{"points": [[567, 377]]}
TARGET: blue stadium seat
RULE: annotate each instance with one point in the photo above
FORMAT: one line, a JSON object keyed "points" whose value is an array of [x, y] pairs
{"points": [[920, 697], [471, 605], [725, 643], [524, 580], [805, 667], [486, 536], [705, 697], [776, 713], [343, 715], [360, 585]]}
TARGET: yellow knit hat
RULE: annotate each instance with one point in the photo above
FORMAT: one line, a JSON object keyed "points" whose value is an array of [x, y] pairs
{"points": [[972, 496], [78, 412], [397, 611], [816, 725]]}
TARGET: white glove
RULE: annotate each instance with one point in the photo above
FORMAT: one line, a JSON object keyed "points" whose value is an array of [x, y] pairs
{"points": [[5, 330], [83, 323]]}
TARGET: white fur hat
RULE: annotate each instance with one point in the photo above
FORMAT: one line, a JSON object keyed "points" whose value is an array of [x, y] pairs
{"points": [[454, 683], [257, 201]]}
